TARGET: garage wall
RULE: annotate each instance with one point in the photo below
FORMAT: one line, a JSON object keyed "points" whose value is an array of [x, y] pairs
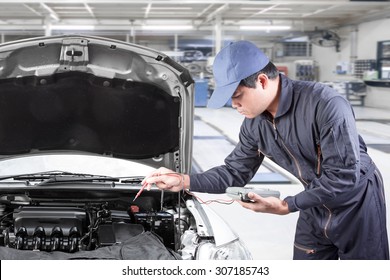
{"points": [[328, 58], [367, 37], [369, 34]]}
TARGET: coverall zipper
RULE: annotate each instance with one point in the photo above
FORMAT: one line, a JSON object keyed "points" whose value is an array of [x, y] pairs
{"points": [[261, 152], [275, 130], [328, 221], [318, 159], [304, 249], [288, 151]]}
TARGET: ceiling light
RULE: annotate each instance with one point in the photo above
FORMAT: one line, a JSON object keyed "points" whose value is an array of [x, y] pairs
{"points": [[167, 27], [71, 27], [171, 8], [265, 27]]}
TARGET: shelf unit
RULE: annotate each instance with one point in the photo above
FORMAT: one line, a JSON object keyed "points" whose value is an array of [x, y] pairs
{"points": [[362, 65], [306, 70]]}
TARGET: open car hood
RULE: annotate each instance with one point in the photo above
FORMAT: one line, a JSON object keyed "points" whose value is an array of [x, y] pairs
{"points": [[78, 94]]}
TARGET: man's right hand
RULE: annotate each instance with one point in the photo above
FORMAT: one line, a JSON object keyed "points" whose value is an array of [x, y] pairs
{"points": [[166, 179]]}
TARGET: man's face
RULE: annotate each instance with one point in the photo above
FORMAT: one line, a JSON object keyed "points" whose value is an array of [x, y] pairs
{"points": [[251, 102]]}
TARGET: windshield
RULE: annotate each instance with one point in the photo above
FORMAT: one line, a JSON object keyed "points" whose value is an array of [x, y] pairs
{"points": [[85, 164]]}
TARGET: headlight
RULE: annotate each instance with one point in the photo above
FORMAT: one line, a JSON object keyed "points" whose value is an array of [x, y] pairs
{"points": [[231, 251]]}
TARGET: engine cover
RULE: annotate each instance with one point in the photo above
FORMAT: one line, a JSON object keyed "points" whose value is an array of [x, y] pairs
{"points": [[48, 228]]}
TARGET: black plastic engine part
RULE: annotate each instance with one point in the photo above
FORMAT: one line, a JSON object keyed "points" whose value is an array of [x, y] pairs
{"points": [[109, 234], [47, 228]]}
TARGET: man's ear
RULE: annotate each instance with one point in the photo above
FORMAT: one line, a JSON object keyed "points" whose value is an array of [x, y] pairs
{"points": [[262, 79]]}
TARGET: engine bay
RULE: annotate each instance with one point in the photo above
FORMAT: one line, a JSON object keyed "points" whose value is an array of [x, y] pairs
{"points": [[31, 225]]}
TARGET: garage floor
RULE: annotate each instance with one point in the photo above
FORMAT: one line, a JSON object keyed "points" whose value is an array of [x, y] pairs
{"points": [[271, 236]]}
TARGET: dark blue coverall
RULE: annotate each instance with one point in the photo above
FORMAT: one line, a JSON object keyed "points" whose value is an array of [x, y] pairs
{"points": [[314, 137]]}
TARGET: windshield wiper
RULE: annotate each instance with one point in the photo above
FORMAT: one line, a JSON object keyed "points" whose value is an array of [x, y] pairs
{"points": [[52, 177], [74, 178], [35, 176]]}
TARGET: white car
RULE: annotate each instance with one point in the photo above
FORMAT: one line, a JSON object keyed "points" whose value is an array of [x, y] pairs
{"points": [[82, 121]]}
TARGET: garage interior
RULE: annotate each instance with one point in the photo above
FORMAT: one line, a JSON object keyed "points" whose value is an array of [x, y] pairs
{"points": [[345, 44]]}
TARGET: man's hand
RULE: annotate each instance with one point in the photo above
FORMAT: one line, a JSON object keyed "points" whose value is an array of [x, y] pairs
{"points": [[166, 179], [271, 205]]}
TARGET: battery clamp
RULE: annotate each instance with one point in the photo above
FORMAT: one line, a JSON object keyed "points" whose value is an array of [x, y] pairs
{"points": [[241, 193]]}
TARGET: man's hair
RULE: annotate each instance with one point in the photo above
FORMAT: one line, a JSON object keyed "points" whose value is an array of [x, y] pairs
{"points": [[270, 70]]}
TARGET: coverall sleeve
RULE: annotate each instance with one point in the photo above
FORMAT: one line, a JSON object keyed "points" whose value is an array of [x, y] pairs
{"points": [[239, 168], [340, 157]]}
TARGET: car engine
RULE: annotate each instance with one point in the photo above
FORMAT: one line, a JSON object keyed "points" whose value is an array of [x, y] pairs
{"points": [[82, 228], [45, 228]]}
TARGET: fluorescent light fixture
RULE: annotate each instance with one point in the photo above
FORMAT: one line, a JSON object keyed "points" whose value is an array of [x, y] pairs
{"points": [[71, 27], [171, 8], [167, 27], [265, 27]]}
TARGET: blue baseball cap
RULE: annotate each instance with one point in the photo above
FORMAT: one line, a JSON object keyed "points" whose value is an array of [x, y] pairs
{"points": [[233, 63]]}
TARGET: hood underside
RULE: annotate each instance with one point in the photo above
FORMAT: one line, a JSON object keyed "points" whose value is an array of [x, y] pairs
{"points": [[91, 95], [75, 111]]}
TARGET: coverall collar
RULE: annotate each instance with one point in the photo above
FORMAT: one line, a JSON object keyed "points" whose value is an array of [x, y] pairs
{"points": [[285, 98]]}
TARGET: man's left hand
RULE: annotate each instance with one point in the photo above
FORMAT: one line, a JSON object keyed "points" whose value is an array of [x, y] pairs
{"points": [[271, 204]]}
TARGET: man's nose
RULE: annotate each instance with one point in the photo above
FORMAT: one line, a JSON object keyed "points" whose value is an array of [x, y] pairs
{"points": [[235, 104]]}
